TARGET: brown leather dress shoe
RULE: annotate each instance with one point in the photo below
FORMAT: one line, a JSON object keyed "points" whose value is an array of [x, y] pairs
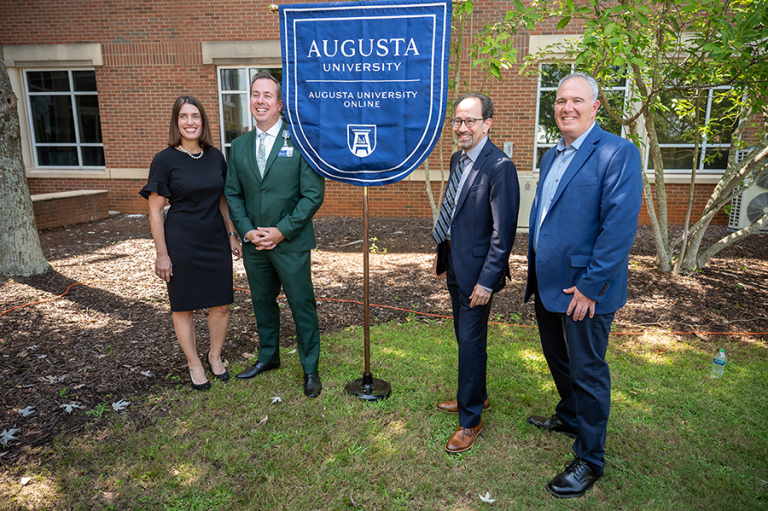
{"points": [[453, 407], [463, 439]]}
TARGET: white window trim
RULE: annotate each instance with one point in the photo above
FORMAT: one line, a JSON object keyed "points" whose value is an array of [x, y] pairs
{"points": [[220, 92], [72, 94], [702, 148]]}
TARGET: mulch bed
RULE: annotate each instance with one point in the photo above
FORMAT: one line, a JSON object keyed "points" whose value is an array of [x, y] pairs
{"points": [[110, 337]]}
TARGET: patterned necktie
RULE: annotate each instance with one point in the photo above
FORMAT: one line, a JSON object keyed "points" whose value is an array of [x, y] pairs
{"points": [[449, 201], [261, 158]]}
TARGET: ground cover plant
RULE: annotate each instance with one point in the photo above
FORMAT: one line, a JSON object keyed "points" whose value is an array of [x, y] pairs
{"points": [[676, 439]]}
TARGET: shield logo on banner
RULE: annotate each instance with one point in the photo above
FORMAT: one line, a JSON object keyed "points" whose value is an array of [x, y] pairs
{"points": [[365, 85], [361, 139]]}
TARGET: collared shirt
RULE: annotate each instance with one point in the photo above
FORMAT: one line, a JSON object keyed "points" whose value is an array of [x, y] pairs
{"points": [[269, 141], [472, 155], [560, 164]]}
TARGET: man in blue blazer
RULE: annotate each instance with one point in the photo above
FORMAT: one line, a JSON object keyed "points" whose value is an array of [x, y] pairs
{"points": [[583, 223], [475, 232]]}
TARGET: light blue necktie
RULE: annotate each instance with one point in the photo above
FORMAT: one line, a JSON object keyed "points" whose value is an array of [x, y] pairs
{"points": [[261, 154]]}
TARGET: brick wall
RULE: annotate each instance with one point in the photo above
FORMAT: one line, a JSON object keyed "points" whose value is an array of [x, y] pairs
{"points": [[152, 53], [123, 195], [70, 210]]}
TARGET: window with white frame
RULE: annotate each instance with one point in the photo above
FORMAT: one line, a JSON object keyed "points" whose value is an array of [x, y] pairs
{"points": [[63, 110], [234, 101], [675, 131], [547, 133]]}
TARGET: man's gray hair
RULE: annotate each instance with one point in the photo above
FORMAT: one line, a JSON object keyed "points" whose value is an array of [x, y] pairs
{"points": [[593, 87]]}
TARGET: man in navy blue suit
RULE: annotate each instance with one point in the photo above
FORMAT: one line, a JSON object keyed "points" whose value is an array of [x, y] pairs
{"points": [[475, 232], [583, 223]]}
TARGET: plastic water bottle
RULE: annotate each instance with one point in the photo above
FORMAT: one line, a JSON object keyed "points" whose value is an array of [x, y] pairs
{"points": [[718, 364]]}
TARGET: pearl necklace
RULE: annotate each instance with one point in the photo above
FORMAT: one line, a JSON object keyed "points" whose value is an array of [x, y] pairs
{"points": [[190, 154]]}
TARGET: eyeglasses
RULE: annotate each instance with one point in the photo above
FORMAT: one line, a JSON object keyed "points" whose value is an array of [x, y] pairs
{"points": [[469, 122]]}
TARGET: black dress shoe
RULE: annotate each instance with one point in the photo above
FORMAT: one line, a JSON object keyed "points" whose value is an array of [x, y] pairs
{"points": [[312, 385], [575, 481], [554, 423], [223, 376], [202, 386], [259, 368]]}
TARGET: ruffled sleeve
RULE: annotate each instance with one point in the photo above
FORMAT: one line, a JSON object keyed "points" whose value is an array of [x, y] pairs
{"points": [[157, 187], [158, 177]]}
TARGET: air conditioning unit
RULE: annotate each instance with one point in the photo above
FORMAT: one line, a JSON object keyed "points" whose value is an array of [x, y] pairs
{"points": [[527, 192], [750, 204]]}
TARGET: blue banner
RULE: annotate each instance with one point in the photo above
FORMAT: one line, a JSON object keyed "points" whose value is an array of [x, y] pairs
{"points": [[365, 85]]}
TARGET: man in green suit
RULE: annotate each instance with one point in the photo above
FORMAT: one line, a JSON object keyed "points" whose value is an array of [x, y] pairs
{"points": [[272, 194]]}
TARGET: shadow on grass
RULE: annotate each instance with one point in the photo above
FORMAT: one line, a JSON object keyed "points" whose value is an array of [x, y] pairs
{"points": [[676, 439]]}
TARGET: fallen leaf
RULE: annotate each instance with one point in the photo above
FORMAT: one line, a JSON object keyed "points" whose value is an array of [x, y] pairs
{"points": [[148, 374], [487, 498], [25, 480], [69, 407], [120, 405], [264, 420], [7, 435], [22, 354], [27, 411], [249, 356], [292, 352], [42, 356], [276, 399]]}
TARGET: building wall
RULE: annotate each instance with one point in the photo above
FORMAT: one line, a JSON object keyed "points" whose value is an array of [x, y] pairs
{"points": [[55, 212], [152, 52]]}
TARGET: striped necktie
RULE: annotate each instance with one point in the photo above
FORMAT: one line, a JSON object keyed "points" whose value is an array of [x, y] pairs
{"points": [[261, 154], [449, 202]]}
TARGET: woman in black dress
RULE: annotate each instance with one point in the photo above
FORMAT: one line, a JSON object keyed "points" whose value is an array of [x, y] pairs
{"points": [[195, 242]]}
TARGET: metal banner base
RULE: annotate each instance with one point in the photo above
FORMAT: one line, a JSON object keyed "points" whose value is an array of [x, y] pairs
{"points": [[369, 388]]}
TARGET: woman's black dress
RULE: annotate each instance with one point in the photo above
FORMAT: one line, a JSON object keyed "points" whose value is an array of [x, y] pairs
{"points": [[195, 233]]}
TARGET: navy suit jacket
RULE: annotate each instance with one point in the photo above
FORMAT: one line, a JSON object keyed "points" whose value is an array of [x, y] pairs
{"points": [[589, 229], [485, 221]]}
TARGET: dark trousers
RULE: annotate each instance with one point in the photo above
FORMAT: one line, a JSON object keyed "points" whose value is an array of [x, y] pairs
{"points": [[267, 272], [471, 327], [575, 352]]}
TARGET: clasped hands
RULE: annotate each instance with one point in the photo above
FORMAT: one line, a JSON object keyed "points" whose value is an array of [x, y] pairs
{"points": [[264, 238]]}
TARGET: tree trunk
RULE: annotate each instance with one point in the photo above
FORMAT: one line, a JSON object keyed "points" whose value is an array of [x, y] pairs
{"points": [[709, 253], [692, 188], [20, 252], [659, 223]]}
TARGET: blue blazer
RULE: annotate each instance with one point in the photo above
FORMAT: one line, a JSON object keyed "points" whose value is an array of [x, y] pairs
{"points": [[485, 221], [588, 232]]}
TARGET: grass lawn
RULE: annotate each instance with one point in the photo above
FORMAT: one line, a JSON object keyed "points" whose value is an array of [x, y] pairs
{"points": [[676, 438]]}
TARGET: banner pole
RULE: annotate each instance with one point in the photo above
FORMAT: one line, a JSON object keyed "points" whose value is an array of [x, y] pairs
{"points": [[366, 288], [367, 388]]}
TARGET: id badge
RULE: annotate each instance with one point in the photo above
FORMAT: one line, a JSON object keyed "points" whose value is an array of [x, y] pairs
{"points": [[286, 152]]}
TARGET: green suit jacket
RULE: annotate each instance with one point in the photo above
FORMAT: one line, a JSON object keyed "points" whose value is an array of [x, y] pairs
{"points": [[287, 197]]}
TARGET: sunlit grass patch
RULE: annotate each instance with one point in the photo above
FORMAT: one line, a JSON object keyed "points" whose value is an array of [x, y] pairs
{"points": [[676, 439]]}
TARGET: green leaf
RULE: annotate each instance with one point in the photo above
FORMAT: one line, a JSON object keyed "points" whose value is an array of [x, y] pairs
{"points": [[495, 71], [563, 23]]}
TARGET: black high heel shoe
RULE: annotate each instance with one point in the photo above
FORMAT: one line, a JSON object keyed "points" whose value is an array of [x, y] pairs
{"points": [[202, 386], [223, 376]]}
